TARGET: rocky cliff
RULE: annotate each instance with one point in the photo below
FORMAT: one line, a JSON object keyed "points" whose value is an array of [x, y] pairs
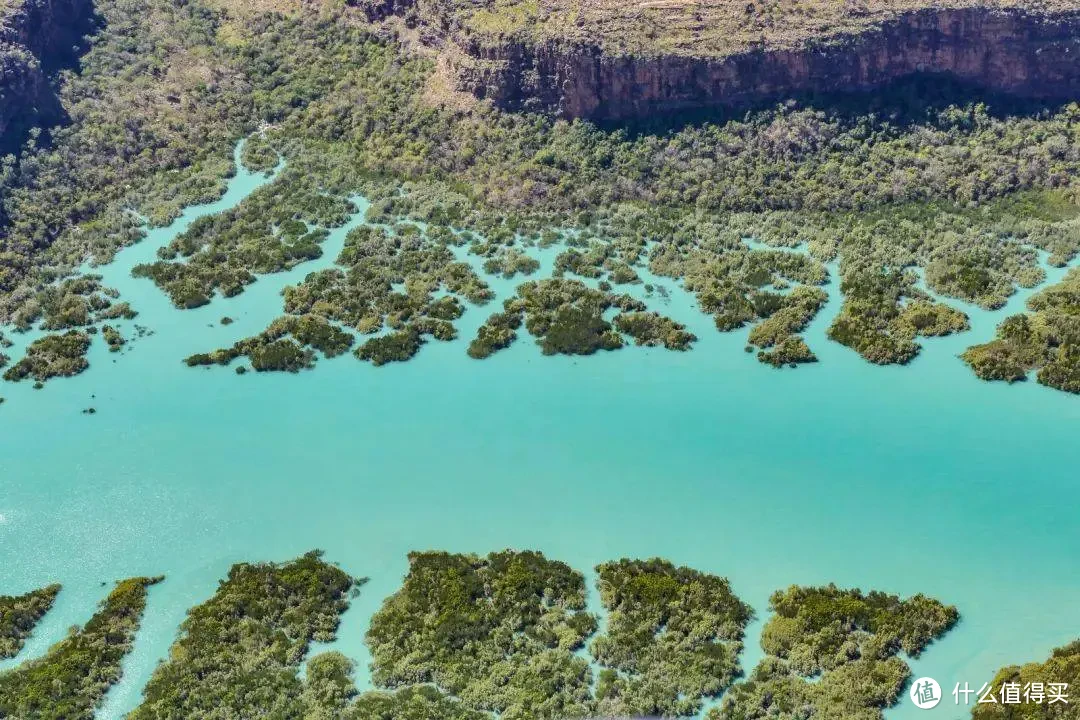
{"points": [[1030, 51], [36, 38]]}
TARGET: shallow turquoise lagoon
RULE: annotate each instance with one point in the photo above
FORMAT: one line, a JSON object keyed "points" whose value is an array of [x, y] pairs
{"points": [[917, 479]]}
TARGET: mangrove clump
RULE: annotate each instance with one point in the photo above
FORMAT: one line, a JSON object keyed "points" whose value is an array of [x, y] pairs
{"points": [[70, 680], [19, 614], [52, 356]]}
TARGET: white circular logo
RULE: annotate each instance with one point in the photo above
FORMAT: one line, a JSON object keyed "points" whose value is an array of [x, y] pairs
{"points": [[925, 693]]}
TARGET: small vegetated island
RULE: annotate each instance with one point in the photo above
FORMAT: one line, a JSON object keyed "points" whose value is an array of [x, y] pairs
{"points": [[507, 635], [491, 128]]}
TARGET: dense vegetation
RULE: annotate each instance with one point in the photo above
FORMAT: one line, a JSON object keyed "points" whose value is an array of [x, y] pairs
{"points": [[1047, 340], [52, 356], [505, 633], [832, 653], [498, 632], [331, 695], [1033, 683], [912, 177], [239, 653], [567, 317], [468, 636], [19, 614], [883, 313], [273, 350], [69, 681], [673, 638]]}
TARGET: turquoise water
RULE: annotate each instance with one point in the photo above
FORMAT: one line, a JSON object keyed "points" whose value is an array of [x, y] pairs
{"points": [[917, 479]]}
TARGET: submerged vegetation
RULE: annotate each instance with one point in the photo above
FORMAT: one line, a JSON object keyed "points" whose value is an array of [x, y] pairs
{"points": [[69, 681], [18, 616], [833, 653]]}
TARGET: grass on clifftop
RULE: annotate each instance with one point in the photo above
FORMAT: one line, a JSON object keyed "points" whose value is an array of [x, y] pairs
{"points": [[699, 27]]}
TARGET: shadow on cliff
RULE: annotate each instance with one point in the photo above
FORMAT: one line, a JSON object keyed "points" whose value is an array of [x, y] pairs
{"points": [[908, 101], [55, 34]]}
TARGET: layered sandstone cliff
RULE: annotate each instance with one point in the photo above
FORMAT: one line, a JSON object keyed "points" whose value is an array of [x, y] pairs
{"points": [[36, 37], [1030, 49]]}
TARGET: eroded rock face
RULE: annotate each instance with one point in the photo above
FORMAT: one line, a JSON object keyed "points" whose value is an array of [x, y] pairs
{"points": [[36, 38], [1014, 50]]}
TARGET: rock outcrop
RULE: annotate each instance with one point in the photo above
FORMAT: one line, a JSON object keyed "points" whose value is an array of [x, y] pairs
{"points": [[1028, 49], [36, 38]]}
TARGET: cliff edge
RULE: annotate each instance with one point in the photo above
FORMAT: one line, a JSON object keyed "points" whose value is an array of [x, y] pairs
{"points": [[36, 38], [613, 59]]}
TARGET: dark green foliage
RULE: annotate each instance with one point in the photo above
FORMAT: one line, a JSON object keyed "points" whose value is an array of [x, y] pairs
{"points": [[1063, 369], [439, 329], [497, 332], [501, 634], [1047, 339], [280, 355], [859, 690], [578, 331], [363, 296], [113, 337], [445, 308], [673, 638], [314, 331], [884, 312], [566, 316], [72, 303], [283, 346], [510, 262], [846, 639], [1063, 666], [1020, 347], [729, 286], [790, 351], [258, 155], [159, 135], [69, 681], [498, 632], [396, 346], [52, 356], [18, 616], [329, 694], [239, 653], [784, 316], [274, 229], [652, 328], [815, 628], [421, 702]]}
